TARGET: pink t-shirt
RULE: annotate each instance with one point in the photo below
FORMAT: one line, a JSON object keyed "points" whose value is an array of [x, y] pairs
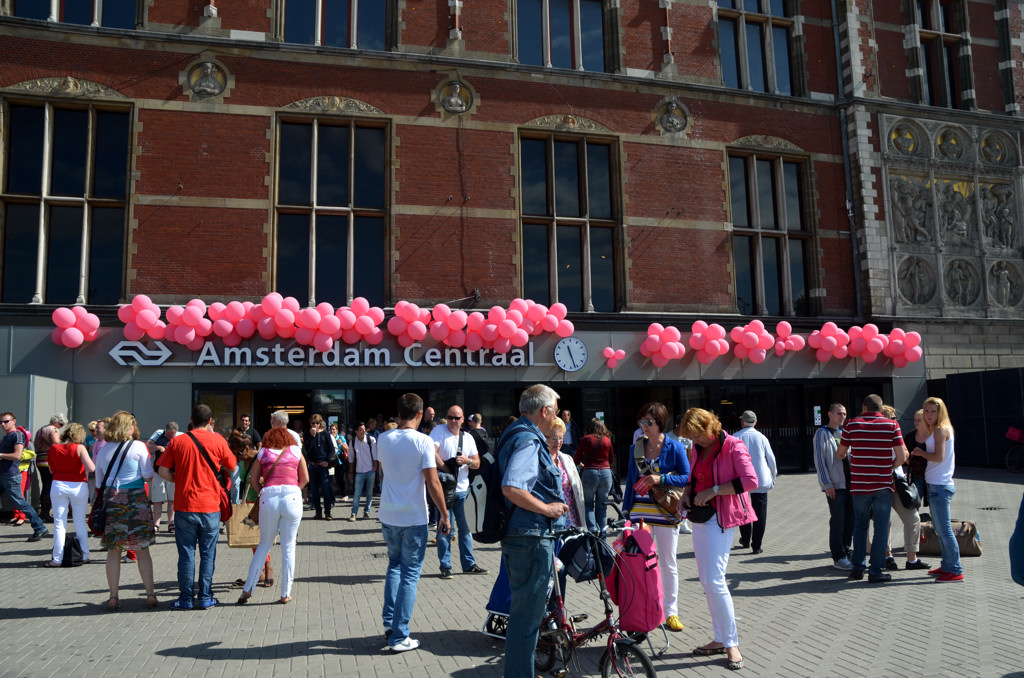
{"points": [[287, 470]]}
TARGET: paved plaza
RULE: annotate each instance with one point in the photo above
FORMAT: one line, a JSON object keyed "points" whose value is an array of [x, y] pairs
{"points": [[796, 615]]}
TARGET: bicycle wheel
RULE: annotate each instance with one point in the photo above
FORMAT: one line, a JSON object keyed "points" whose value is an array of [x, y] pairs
{"points": [[1015, 459], [626, 660], [552, 646]]}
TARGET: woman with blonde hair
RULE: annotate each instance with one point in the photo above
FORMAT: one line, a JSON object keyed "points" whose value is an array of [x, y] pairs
{"points": [[722, 478], [124, 467], [939, 476], [70, 465]]}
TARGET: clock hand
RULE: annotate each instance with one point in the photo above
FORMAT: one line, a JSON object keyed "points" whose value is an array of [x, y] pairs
{"points": [[571, 356]]}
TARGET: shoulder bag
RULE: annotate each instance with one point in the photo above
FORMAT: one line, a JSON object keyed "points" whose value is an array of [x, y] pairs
{"points": [[97, 520], [702, 514], [254, 512], [241, 533], [448, 477], [221, 481], [667, 498], [907, 492]]}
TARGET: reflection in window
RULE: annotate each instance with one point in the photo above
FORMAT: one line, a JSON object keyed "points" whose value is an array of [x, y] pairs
{"points": [[356, 24], [71, 213], [552, 33], [941, 40], [331, 214], [754, 45], [569, 215], [769, 260], [106, 13]]}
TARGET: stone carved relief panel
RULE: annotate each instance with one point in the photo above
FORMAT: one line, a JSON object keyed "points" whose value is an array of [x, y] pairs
{"points": [[957, 221], [962, 282], [1006, 284], [917, 280], [912, 216], [999, 225]]}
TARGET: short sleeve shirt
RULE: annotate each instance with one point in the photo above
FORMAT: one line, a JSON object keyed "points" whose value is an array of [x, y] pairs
{"points": [[195, 488], [870, 439], [447, 445], [404, 454]]}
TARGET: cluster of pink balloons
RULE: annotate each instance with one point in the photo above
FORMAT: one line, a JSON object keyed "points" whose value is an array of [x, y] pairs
{"points": [[709, 341], [787, 341], [832, 342], [141, 318], [319, 326], [73, 326], [613, 356], [752, 341], [501, 329], [663, 344], [903, 347]]}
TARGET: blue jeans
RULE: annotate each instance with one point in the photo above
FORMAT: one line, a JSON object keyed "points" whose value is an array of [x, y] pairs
{"points": [[877, 507], [191, 529], [364, 485], [597, 483], [940, 497], [528, 563], [320, 488], [11, 484], [406, 548], [840, 524], [459, 529]]}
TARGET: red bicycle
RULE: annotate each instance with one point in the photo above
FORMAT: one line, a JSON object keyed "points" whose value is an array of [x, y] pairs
{"points": [[560, 638]]}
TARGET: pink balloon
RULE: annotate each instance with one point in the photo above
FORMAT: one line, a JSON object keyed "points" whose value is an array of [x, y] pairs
{"points": [[234, 312], [653, 343], [749, 340], [829, 329], [715, 331], [655, 329], [360, 306], [870, 331], [441, 312], [284, 319], [132, 332], [897, 333], [489, 332], [197, 303], [474, 342], [565, 328], [155, 332], [191, 316], [65, 317], [364, 325], [506, 328], [329, 324], [91, 336], [537, 312], [88, 323], [741, 351], [672, 350], [80, 311], [73, 337], [558, 310], [520, 338], [184, 334], [125, 314], [671, 334], [291, 303], [233, 339], [309, 318], [222, 328], [405, 341], [502, 345], [352, 336], [899, 361], [704, 358], [856, 331], [858, 345], [409, 312], [755, 326], [267, 328], [519, 305], [304, 335], [455, 338], [375, 336], [145, 319], [475, 321], [780, 348], [457, 320], [245, 328], [612, 363], [736, 334], [204, 328], [659, 360], [515, 316], [697, 341], [57, 335], [783, 329], [417, 330], [496, 315], [324, 309], [765, 342], [376, 314], [439, 330], [913, 354], [758, 355], [216, 311], [798, 342], [875, 345], [175, 315], [912, 339], [396, 326], [645, 350], [347, 318], [549, 323], [828, 343], [196, 344], [608, 352], [141, 302], [869, 357], [822, 355], [271, 304], [841, 352], [620, 354]]}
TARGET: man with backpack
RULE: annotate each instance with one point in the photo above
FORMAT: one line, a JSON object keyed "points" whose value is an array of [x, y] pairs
{"points": [[11, 447], [532, 486]]}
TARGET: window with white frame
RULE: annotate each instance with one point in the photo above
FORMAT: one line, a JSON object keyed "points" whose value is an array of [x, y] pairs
{"points": [[943, 56], [569, 213], [351, 24], [754, 40], [107, 13], [561, 34], [331, 210], [771, 237], [64, 203]]}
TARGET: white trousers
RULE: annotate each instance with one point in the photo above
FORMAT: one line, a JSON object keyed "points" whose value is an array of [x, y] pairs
{"points": [[711, 547], [667, 538], [280, 513], [76, 495]]}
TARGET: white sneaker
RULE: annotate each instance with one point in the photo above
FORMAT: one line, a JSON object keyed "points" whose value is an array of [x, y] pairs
{"points": [[843, 564], [405, 645], [684, 527]]}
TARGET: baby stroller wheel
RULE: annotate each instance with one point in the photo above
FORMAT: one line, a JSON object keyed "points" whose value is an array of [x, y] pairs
{"points": [[496, 625]]}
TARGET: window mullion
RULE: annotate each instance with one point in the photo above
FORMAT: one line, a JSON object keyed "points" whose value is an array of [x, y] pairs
{"points": [[313, 162], [741, 45], [585, 272], [350, 276], [545, 28], [318, 23], [83, 270], [549, 147], [768, 41], [353, 24], [37, 296], [577, 35], [97, 12], [758, 274]]}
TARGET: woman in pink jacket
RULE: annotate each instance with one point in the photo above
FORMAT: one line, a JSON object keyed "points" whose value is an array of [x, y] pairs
{"points": [[721, 478]]}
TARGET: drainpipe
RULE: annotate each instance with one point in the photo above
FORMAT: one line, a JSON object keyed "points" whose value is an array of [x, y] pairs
{"points": [[847, 171]]}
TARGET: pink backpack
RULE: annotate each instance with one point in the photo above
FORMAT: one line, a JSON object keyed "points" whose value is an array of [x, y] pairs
{"points": [[635, 583]]}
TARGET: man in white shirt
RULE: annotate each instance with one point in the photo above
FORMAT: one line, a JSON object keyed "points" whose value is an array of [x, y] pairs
{"points": [[408, 459], [456, 451], [161, 490], [363, 466], [763, 459]]}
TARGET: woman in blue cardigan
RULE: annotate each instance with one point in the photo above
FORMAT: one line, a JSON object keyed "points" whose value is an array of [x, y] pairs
{"points": [[664, 462]]}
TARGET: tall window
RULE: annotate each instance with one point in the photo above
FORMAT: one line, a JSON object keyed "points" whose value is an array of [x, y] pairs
{"points": [[941, 32], [770, 235], [353, 24], [64, 204], [569, 213], [331, 210], [754, 45], [108, 13], [561, 34]]}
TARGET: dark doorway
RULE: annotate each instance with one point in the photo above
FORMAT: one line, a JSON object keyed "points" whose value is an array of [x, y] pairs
{"points": [[297, 403]]}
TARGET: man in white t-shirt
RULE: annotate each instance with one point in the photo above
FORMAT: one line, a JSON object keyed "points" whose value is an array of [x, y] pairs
{"points": [[160, 490], [408, 459], [456, 450]]}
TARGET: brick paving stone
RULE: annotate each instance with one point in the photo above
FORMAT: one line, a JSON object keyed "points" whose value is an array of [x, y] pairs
{"points": [[797, 616]]}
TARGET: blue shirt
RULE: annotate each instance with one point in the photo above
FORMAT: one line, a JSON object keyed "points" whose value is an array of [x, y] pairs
{"points": [[10, 466], [761, 457], [528, 466]]}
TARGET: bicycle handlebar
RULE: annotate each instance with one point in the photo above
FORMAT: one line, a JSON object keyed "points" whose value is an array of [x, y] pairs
{"points": [[618, 524]]}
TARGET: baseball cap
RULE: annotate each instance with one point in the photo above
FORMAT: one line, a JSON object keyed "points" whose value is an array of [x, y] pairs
{"points": [[748, 417]]}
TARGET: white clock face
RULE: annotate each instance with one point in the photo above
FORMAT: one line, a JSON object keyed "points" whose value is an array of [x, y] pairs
{"points": [[570, 354]]}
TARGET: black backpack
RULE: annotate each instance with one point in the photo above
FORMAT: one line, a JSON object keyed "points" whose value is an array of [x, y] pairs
{"points": [[487, 511]]}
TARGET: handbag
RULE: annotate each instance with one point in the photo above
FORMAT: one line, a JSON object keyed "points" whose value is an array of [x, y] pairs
{"points": [[702, 514], [907, 492], [449, 478], [97, 520], [253, 515], [72, 551], [968, 539], [223, 483], [242, 533]]}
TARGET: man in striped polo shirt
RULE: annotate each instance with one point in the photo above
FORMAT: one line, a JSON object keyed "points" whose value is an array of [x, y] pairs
{"points": [[875, 446]]}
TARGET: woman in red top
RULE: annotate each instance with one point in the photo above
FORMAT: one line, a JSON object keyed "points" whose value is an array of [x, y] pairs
{"points": [[70, 465], [594, 456]]}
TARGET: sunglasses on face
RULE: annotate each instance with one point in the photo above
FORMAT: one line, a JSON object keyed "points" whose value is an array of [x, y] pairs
{"points": [[646, 422], [6, 421]]}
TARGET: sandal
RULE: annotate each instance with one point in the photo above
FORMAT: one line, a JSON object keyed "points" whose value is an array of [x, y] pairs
{"points": [[238, 584], [707, 651], [734, 665], [151, 600], [244, 598], [170, 527], [19, 522], [50, 563], [285, 600], [113, 605]]}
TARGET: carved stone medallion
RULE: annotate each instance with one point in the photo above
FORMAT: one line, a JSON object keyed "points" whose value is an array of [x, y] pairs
{"points": [[962, 282], [1005, 284], [916, 280]]}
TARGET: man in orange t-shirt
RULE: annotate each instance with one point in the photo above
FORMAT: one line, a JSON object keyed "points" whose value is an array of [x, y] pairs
{"points": [[197, 504]]}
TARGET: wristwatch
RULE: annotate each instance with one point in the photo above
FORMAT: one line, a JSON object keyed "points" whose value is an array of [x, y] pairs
{"points": [[715, 488]]}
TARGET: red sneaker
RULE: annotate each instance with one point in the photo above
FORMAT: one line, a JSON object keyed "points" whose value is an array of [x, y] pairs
{"points": [[936, 572], [131, 556], [949, 576]]}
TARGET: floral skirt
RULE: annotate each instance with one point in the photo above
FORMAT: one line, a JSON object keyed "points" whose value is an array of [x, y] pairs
{"points": [[129, 519]]}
